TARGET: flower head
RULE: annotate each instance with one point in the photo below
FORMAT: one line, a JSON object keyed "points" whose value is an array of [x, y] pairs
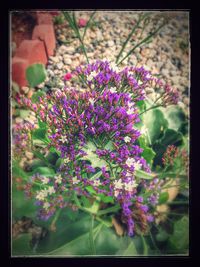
{"points": [[82, 22], [68, 76]]}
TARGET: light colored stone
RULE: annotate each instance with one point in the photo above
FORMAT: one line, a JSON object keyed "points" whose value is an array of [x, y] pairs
{"points": [[186, 101], [54, 59], [110, 43], [29, 155], [19, 120], [60, 65], [41, 85], [25, 89], [67, 60]]}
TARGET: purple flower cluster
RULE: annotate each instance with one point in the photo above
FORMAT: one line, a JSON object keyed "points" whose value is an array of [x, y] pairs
{"points": [[21, 138], [95, 132]]}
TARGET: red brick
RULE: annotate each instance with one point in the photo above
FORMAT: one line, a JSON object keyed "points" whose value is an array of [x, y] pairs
{"points": [[19, 66], [45, 33], [44, 18], [33, 51]]}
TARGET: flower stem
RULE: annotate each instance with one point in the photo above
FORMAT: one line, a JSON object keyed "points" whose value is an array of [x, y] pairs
{"points": [[142, 42], [91, 237], [152, 107]]}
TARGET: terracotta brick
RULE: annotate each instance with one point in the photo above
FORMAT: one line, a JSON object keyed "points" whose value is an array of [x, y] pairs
{"points": [[45, 33], [44, 18], [33, 51], [19, 66]]}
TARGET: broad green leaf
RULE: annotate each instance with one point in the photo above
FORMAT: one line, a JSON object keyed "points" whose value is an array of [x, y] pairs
{"points": [[17, 171], [67, 230], [131, 250], [58, 162], [106, 199], [162, 235], [86, 202], [163, 197], [42, 124], [141, 105], [144, 175], [71, 214], [42, 158], [179, 241], [92, 156], [21, 205], [156, 123], [90, 189], [21, 245], [175, 116], [44, 171], [35, 74], [40, 134], [148, 154]]}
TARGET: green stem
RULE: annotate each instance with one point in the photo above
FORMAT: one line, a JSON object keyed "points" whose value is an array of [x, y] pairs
{"points": [[108, 210], [142, 42], [91, 237], [88, 23], [145, 253], [152, 107], [129, 37]]}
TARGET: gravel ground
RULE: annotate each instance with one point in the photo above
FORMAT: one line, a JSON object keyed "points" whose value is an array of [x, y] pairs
{"points": [[167, 55]]}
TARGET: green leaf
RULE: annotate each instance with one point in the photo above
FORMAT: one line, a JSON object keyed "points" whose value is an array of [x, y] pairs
{"points": [[156, 123], [35, 74], [67, 231], [144, 175], [36, 95], [40, 156], [17, 171], [162, 235], [44, 171], [21, 245], [141, 105], [86, 202], [131, 250], [21, 206], [88, 24], [90, 189], [163, 197], [71, 214], [40, 134], [179, 241], [106, 199], [92, 156], [42, 124], [148, 154], [58, 163], [175, 117]]}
